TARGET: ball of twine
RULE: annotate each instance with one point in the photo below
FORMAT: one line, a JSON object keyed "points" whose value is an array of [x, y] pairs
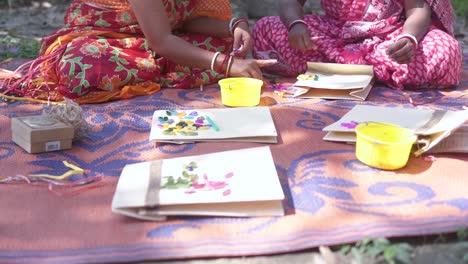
{"points": [[69, 113]]}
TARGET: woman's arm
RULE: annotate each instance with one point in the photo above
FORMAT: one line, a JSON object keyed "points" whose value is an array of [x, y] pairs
{"points": [[220, 28], [155, 25], [291, 14], [290, 10], [418, 18], [208, 26]]}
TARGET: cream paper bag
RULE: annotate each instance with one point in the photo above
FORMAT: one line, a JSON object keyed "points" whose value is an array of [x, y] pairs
{"points": [[242, 124], [236, 183], [432, 126], [334, 81]]}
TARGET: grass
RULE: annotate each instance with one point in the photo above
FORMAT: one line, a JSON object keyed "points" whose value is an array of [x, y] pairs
{"points": [[460, 7], [377, 249], [382, 250], [18, 47], [462, 234]]}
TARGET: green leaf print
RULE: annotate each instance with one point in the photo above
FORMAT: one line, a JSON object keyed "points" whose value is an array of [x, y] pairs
{"points": [[123, 61], [75, 13], [102, 23]]}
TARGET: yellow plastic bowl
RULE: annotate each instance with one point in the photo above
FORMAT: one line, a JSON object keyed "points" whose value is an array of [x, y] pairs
{"points": [[383, 146], [240, 91]]}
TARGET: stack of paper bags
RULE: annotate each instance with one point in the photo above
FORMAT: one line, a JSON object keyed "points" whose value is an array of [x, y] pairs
{"points": [[237, 183], [244, 124], [437, 130], [334, 81]]}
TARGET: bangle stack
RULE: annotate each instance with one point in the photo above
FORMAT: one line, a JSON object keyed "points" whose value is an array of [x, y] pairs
{"points": [[228, 61], [410, 37], [234, 23], [213, 60], [228, 66], [295, 22]]}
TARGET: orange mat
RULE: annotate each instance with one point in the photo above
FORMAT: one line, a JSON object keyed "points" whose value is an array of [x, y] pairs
{"points": [[331, 197]]}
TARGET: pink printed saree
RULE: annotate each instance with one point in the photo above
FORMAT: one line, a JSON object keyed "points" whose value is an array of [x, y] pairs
{"points": [[359, 32]]}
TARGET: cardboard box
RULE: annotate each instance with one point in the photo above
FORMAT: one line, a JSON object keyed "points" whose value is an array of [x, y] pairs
{"points": [[36, 134]]}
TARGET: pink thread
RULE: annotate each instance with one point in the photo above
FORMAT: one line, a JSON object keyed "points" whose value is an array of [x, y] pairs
{"points": [[75, 186]]}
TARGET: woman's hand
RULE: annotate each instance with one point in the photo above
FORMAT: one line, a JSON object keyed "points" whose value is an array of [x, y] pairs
{"points": [[243, 42], [402, 51], [249, 67], [299, 38], [418, 18]]}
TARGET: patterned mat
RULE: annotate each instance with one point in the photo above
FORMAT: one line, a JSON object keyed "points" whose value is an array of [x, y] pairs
{"points": [[331, 197]]}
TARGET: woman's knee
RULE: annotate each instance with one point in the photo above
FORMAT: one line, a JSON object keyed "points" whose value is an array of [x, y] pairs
{"points": [[441, 46]]}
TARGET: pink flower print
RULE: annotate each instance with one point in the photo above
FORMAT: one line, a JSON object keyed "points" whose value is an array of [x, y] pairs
{"points": [[216, 185], [94, 49], [124, 18], [146, 64], [110, 83], [197, 185], [82, 20]]}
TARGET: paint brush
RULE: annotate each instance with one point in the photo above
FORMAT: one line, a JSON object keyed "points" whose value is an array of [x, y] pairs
{"points": [[212, 123]]}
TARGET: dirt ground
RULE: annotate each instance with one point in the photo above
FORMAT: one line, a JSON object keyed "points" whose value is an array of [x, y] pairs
{"points": [[35, 21], [43, 18]]}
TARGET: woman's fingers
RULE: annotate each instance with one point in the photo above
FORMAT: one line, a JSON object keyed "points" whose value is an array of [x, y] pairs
{"points": [[404, 57], [240, 52], [249, 67], [242, 43], [308, 44], [295, 36], [256, 74], [296, 42], [299, 38], [265, 63], [401, 51]]}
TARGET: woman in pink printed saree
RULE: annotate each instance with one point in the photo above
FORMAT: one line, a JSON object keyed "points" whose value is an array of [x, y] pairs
{"points": [[410, 43]]}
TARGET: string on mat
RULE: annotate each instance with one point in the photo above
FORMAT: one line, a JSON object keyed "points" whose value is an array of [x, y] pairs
{"points": [[32, 100], [73, 170], [59, 185]]}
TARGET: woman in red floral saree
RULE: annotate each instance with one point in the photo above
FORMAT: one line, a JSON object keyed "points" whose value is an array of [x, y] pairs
{"points": [[115, 49], [410, 43]]}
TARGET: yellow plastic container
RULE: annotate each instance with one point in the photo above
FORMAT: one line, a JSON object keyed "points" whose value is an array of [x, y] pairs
{"points": [[383, 146], [240, 91]]}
